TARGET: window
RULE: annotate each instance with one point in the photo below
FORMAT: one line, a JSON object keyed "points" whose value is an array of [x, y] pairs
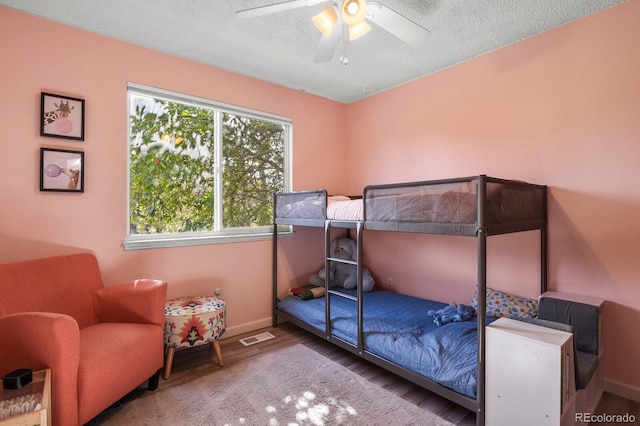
{"points": [[201, 171]]}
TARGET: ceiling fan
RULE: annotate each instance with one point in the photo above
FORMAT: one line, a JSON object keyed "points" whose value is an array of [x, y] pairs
{"points": [[346, 20]]}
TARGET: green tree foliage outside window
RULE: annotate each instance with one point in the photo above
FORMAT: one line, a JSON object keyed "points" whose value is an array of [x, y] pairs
{"points": [[176, 161]]}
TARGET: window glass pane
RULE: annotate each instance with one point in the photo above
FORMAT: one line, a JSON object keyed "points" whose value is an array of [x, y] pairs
{"points": [[253, 152], [171, 164], [200, 171]]}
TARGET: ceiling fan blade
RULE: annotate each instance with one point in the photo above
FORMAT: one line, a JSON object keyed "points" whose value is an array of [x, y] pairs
{"points": [[277, 7], [327, 44], [398, 25]]}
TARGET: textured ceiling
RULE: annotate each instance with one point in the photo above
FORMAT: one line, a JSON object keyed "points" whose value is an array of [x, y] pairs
{"points": [[280, 48]]}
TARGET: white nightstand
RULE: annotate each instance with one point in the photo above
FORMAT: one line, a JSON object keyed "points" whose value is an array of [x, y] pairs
{"points": [[529, 375]]}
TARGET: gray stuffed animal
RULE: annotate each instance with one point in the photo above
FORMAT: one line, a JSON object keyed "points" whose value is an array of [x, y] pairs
{"points": [[342, 274]]}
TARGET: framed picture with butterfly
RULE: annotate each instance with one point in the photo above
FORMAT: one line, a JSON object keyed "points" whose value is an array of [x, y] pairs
{"points": [[61, 170], [61, 117]]}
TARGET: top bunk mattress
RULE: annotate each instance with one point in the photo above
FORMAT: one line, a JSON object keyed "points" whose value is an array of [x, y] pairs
{"points": [[411, 206]]}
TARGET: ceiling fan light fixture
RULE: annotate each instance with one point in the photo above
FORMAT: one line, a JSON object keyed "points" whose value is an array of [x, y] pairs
{"points": [[354, 11], [325, 20], [358, 30]]}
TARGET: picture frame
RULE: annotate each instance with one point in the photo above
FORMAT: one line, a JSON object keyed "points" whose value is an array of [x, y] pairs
{"points": [[61, 116], [61, 170]]}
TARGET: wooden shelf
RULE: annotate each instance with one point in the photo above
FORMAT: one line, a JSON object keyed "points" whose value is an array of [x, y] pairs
{"points": [[41, 383]]}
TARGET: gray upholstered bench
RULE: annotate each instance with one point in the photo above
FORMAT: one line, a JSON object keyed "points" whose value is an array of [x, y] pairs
{"points": [[585, 317]]}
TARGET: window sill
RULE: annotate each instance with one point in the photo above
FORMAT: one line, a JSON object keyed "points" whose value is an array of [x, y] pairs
{"points": [[152, 241]]}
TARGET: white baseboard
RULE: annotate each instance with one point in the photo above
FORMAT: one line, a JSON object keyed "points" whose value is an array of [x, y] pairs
{"points": [[248, 327], [622, 389]]}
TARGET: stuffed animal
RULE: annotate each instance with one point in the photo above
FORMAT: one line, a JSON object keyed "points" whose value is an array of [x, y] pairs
{"points": [[343, 274], [451, 313]]}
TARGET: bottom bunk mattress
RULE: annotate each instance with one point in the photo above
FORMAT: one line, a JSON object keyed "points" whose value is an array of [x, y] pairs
{"points": [[397, 328]]}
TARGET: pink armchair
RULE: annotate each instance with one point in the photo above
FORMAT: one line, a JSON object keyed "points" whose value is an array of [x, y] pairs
{"points": [[99, 342]]}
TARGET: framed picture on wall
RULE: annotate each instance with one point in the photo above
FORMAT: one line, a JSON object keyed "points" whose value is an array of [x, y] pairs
{"points": [[61, 170], [61, 117]]}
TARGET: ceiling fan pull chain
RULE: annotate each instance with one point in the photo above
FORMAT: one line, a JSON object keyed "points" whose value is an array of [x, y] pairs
{"points": [[343, 43]]}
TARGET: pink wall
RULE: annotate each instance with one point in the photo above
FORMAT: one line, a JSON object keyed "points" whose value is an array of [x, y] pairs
{"points": [[561, 109], [84, 65]]}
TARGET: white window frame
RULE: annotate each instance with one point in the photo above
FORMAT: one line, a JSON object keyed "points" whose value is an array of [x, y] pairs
{"points": [[219, 235]]}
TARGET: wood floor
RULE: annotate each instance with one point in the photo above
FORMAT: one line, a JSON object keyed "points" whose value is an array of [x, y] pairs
{"points": [[192, 363]]}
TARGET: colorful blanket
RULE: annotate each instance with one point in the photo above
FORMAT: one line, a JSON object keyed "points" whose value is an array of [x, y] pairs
{"points": [[307, 292]]}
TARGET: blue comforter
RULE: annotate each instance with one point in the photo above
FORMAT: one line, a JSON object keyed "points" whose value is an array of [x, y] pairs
{"points": [[398, 329]]}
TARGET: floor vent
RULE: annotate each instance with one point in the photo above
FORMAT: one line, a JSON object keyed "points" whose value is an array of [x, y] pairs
{"points": [[252, 340]]}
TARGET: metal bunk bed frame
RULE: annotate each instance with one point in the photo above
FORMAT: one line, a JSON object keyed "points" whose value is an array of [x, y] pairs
{"points": [[481, 231]]}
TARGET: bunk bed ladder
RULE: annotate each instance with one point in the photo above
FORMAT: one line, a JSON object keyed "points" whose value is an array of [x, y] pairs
{"points": [[359, 226]]}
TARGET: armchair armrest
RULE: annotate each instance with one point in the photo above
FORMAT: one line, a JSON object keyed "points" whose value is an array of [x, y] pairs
{"points": [[40, 340], [138, 301], [37, 340]]}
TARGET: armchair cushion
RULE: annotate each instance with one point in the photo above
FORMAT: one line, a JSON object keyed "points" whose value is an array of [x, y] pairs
{"points": [[110, 355]]}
